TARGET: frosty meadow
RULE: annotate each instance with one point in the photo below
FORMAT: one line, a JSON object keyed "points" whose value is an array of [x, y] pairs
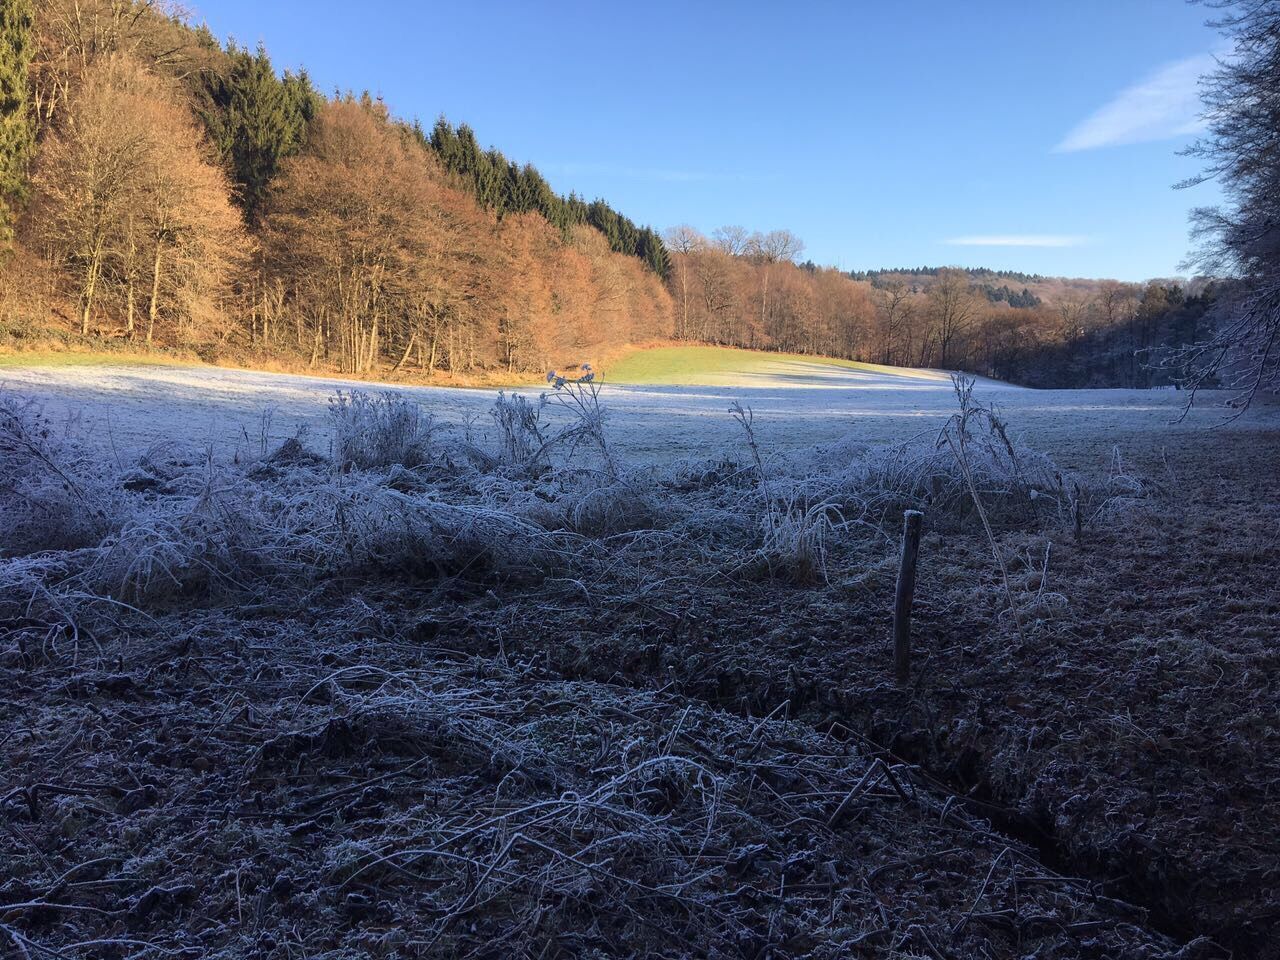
{"points": [[595, 548], [415, 672]]}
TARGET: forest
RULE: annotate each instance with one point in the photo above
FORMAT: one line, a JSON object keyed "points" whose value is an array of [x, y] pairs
{"points": [[162, 191], [170, 192], [745, 289]]}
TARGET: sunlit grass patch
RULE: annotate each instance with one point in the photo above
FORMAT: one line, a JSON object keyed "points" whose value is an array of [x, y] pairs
{"points": [[697, 364]]}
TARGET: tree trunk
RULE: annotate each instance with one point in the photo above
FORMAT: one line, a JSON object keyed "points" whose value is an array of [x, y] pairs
{"points": [[154, 306], [129, 311], [407, 350], [90, 285]]}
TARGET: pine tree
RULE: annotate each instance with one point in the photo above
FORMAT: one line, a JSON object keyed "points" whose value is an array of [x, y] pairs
{"points": [[446, 144], [654, 253], [504, 186], [17, 135], [601, 216], [257, 119]]}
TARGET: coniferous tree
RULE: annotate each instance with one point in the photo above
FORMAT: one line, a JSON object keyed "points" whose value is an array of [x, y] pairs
{"points": [[504, 186], [256, 119], [17, 135]]}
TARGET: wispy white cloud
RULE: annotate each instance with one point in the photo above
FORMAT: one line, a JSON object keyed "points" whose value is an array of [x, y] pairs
{"points": [[1018, 240], [1164, 105]]}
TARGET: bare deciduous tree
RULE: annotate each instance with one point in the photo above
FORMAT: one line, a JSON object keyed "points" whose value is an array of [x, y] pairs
{"points": [[952, 308], [122, 183], [732, 240], [1241, 238], [682, 241], [896, 307]]}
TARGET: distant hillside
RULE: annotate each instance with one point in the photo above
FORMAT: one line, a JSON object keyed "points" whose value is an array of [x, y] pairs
{"points": [[161, 190], [999, 286], [168, 191], [733, 288], [977, 274]]}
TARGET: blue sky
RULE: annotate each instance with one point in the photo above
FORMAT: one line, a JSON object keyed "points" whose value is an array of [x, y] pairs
{"points": [[1039, 135]]}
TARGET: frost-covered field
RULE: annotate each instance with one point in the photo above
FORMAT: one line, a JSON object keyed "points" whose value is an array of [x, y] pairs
{"points": [[546, 684], [796, 405]]}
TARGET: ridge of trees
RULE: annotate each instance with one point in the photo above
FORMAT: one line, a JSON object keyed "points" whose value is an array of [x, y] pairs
{"points": [[504, 186], [974, 273], [187, 195], [164, 189], [742, 289]]}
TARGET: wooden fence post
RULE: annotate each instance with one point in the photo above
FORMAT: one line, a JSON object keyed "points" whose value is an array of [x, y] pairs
{"points": [[912, 520]]}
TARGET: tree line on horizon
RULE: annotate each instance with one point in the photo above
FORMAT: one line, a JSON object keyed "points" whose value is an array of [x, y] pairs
{"points": [[159, 187], [743, 289]]}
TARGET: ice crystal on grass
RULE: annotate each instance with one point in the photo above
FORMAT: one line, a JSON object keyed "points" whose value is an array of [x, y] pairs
{"points": [[52, 496], [407, 499], [376, 432]]}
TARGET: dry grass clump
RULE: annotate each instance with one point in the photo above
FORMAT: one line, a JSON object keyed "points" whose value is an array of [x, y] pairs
{"points": [[971, 475], [238, 535], [377, 432], [51, 493], [522, 434], [605, 506], [794, 529]]}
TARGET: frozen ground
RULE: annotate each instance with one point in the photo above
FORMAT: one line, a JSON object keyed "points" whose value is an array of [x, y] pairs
{"points": [[301, 705], [797, 405]]}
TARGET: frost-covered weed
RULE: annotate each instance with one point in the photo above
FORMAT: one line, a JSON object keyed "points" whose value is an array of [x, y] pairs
{"points": [[376, 432], [586, 429], [552, 497], [52, 495], [522, 432], [794, 530], [795, 543], [531, 441]]}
